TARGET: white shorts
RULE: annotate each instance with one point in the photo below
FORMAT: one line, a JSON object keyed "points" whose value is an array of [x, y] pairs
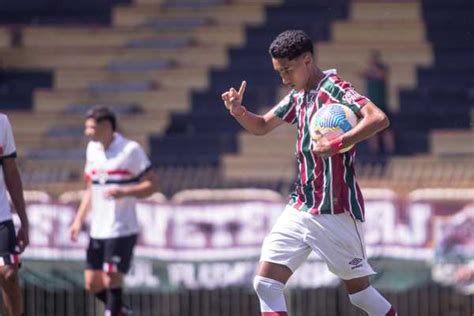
{"points": [[338, 239]]}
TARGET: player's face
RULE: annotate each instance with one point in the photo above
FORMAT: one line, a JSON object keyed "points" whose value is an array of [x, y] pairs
{"points": [[294, 73], [95, 131]]}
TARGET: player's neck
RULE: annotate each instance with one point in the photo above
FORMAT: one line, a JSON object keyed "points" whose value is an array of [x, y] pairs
{"points": [[316, 76], [107, 141]]}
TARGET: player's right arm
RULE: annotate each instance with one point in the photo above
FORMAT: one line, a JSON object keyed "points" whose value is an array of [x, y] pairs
{"points": [[83, 210], [253, 123]]}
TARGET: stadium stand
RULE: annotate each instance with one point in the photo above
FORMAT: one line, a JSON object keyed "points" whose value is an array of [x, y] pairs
{"points": [[155, 64], [443, 98], [244, 160], [162, 65], [144, 65]]}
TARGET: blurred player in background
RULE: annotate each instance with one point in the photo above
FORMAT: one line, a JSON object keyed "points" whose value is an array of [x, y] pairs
{"points": [[376, 78], [11, 245], [118, 172], [326, 210]]}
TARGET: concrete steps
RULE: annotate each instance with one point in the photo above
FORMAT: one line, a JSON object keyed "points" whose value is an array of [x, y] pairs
{"points": [[395, 28], [452, 142], [160, 100], [175, 78], [71, 57]]}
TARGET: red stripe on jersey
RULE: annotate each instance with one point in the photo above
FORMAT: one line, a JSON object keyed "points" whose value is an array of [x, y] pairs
{"points": [[300, 145], [337, 183], [291, 114], [326, 98], [344, 188], [360, 200], [340, 83], [114, 172], [274, 313], [318, 185]]}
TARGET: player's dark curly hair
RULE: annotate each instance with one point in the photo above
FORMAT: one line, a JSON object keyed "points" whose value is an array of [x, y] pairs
{"points": [[291, 44], [101, 113]]}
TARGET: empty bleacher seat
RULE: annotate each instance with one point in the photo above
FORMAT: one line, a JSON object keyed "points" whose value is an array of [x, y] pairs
{"points": [[226, 195], [118, 108], [139, 65], [159, 43], [176, 23], [127, 86]]}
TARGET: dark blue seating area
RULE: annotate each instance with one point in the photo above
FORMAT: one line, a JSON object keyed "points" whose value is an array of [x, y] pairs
{"points": [[209, 125], [57, 11], [445, 93], [16, 87]]}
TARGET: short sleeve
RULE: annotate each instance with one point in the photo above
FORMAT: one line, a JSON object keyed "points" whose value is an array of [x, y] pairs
{"points": [[286, 109], [7, 145], [345, 93], [140, 163]]}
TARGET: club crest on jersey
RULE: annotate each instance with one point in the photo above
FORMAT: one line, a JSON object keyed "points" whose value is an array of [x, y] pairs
{"points": [[351, 96], [311, 98]]}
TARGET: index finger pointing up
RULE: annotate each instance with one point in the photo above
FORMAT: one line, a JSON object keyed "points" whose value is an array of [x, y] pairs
{"points": [[242, 88]]}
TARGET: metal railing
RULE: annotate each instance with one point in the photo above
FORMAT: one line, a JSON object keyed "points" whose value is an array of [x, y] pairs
{"points": [[430, 300]]}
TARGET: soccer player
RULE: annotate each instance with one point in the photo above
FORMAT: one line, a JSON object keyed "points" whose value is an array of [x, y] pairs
{"points": [[11, 245], [326, 210], [117, 172]]}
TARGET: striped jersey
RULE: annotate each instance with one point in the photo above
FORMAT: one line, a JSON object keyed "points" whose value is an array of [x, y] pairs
{"points": [[324, 185], [122, 163]]}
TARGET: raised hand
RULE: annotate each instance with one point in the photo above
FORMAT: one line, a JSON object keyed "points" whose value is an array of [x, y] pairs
{"points": [[233, 99]]}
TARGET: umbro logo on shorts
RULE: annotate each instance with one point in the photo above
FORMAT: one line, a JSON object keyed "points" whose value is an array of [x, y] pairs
{"points": [[356, 263]]}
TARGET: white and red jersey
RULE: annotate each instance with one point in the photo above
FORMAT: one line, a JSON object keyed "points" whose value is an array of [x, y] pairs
{"points": [[7, 150], [325, 185], [122, 163]]}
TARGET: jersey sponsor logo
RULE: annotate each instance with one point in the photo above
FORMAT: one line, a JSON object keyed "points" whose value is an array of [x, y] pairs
{"points": [[351, 96]]}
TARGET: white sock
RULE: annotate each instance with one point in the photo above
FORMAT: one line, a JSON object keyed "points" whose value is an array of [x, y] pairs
{"points": [[371, 301], [270, 293]]}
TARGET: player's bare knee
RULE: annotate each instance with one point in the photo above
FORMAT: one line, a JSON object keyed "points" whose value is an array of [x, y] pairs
{"points": [[9, 275], [93, 286], [114, 280]]}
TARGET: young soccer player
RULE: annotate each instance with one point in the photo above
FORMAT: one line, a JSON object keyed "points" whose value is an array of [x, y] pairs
{"points": [[118, 172], [326, 210], [11, 244]]}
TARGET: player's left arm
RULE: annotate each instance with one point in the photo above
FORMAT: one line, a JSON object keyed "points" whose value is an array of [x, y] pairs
{"points": [[147, 186], [373, 121], [15, 189]]}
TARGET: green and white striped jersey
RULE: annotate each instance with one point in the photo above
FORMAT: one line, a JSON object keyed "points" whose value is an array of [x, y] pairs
{"points": [[324, 185]]}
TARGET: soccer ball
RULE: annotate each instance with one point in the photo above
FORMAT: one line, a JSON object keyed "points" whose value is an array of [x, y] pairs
{"points": [[331, 121]]}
